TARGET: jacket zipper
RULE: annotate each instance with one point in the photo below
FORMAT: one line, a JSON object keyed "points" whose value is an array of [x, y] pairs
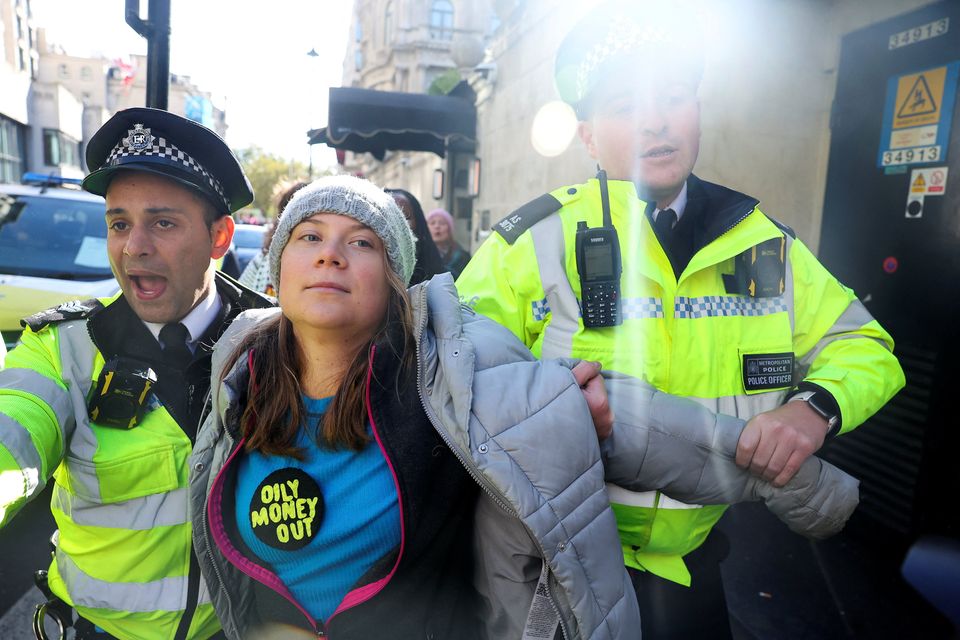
{"points": [[316, 625], [206, 537], [482, 481]]}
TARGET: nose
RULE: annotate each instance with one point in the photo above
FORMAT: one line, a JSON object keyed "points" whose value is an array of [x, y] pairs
{"points": [[330, 252], [650, 112], [139, 242]]}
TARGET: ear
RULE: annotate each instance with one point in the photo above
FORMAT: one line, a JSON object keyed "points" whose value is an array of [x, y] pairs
{"points": [[221, 235], [585, 131]]}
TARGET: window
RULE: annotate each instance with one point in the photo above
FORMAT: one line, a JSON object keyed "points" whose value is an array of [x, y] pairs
{"points": [[63, 71], [60, 149], [86, 73], [12, 156], [358, 60], [388, 24], [441, 20], [358, 31]]}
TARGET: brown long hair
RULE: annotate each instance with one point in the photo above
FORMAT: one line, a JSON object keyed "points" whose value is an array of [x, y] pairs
{"points": [[274, 407]]}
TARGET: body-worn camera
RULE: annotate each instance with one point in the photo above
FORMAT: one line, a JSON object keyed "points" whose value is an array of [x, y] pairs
{"points": [[123, 393], [761, 270]]}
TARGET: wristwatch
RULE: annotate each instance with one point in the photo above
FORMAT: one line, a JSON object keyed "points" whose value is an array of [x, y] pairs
{"points": [[814, 400]]}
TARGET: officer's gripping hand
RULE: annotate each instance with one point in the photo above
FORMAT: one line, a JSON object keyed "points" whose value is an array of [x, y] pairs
{"points": [[595, 393], [775, 443]]}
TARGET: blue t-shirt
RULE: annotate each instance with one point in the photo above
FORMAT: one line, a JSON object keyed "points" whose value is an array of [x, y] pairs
{"points": [[320, 523]]}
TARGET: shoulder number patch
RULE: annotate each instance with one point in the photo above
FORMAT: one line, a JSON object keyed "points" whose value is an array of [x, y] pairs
{"points": [[515, 224], [73, 310]]}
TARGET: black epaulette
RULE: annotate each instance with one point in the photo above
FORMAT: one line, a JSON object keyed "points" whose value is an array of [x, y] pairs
{"points": [[515, 224], [779, 225], [73, 310]]}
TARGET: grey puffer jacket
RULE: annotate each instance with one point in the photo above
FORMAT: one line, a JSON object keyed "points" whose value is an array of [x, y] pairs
{"points": [[545, 539]]}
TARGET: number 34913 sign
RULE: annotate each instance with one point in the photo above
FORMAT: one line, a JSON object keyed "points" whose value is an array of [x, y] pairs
{"points": [[917, 115]]}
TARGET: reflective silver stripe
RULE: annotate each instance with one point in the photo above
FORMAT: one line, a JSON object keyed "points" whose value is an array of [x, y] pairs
{"points": [[77, 356], [550, 247], [726, 306], [619, 495], [647, 499], [167, 594], [788, 291], [854, 317], [16, 440], [666, 502], [138, 514], [743, 406], [48, 391]]}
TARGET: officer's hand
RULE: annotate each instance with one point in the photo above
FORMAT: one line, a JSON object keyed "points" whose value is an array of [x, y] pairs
{"points": [[775, 443], [595, 393]]}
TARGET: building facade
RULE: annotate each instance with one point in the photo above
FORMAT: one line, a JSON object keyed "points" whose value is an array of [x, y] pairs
{"points": [[18, 66], [766, 96], [412, 46], [51, 103]]}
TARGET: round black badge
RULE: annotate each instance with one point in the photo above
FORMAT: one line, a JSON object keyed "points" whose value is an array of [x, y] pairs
{"points": [[286, 510]]}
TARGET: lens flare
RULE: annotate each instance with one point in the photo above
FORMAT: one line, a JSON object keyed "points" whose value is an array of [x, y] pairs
{"points": [[553, 128]]}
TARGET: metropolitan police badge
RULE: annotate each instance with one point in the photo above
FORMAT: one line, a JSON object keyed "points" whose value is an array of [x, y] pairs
{"points": [[138, 138]]}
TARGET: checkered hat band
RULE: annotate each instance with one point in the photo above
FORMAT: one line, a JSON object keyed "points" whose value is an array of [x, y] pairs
{"points": [[161, 148], [624, 35], [714, 306]]}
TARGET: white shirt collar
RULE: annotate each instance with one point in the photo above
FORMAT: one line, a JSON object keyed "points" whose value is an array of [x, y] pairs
{"points": [[678, 205], [198, 320]]}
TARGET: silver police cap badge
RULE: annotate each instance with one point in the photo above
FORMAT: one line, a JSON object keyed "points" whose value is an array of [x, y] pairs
{"points": [[138, 138]]}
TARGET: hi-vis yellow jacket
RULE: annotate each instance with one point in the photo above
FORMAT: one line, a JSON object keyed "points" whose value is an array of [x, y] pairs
{"points": [[124, 557], [689, 336]]}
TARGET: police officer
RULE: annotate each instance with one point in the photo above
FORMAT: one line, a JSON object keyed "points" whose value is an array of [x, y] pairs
{"points": [[716, 301], [105, 396]]}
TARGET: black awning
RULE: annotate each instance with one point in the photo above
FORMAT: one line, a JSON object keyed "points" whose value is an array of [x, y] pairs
{"points": [[367, 121]]}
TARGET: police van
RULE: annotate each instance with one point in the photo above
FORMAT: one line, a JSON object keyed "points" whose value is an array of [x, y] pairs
{"points": [[53, 248]]}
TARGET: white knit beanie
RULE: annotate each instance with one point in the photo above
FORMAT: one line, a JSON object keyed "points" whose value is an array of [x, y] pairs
{"points": [[359, 199]]}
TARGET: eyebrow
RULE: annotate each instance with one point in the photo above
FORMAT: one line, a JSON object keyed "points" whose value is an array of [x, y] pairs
{"points": [[151, 210], [353, 227]]}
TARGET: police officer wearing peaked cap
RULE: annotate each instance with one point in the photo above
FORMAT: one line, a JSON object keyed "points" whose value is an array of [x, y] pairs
{"points": [[108, 393], [159, 142], [712, 292]]}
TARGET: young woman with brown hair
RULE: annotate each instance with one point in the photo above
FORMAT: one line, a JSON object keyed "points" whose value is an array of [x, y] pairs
{"points": [[383, 462]]}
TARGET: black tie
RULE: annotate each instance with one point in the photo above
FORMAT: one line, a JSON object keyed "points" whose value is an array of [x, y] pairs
{"points": [[664, 224], [174, 337]]}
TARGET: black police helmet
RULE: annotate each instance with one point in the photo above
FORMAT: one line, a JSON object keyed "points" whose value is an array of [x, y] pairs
{"points": [[165, 144]]}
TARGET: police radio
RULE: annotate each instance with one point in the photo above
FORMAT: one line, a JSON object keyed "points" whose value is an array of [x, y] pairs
{"points": [[123, 393], [599, 267]]}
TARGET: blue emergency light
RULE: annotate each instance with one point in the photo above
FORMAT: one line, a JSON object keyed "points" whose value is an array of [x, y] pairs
{"points": [[48, 179]]}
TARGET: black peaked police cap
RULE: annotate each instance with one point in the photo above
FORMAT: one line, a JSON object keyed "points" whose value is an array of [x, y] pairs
{"points": [[619, 40], [165, 144]]}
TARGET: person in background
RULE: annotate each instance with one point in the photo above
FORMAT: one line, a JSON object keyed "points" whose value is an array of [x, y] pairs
{"points": [[716, 301], [429, 263], [104, 396], [453, 256], [257, 274], [377, 459]]}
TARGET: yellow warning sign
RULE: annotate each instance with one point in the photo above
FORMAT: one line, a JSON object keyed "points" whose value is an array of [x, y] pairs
{"points": [[919, 96], [919, 185]]}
